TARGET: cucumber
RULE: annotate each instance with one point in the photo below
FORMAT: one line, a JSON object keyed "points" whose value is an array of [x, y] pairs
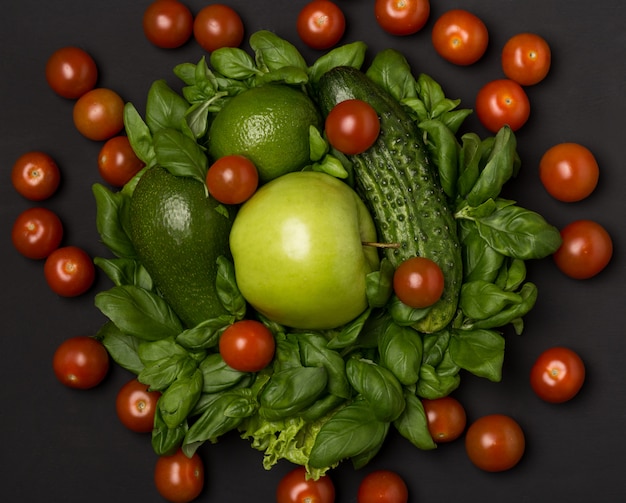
{"points": [[401, 189]]}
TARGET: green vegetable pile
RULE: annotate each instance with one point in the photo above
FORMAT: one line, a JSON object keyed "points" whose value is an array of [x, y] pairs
{"points": [[328, 395]]}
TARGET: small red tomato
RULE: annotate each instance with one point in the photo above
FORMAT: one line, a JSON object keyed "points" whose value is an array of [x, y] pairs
{"points": [[297, 487], [418, 282], [81, 362], [217, 26], [569, 172], [446, 418], [321, 24], [117, 161], [71, 72], [99, 114], [69, 271], [35, 176], [502, 102], [495, 443], [460, 37], [136, 406], [178, 478], [402, 17], [585, 251], [526, 58], [383, 486], [557, 375], [352, 126], [37, 232], [167, 23], [247, 346], [232, 179]]}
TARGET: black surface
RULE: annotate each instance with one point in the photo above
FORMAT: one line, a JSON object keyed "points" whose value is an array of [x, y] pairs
{"points": [[61, 445]]}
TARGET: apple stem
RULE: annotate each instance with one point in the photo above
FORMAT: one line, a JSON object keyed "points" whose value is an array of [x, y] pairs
{"points": [[381, 245]]}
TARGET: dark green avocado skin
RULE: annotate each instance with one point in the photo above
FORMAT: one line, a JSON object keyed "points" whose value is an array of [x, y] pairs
{"points": [[178, 235]]}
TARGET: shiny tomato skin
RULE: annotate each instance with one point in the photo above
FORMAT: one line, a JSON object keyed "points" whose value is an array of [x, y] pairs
{"points": [[81, 362], [557, 375], [99, 114], [168, 23], [382, 486], [232, 179], [446, 418], [37, 232], [321, 24], [402, 17], [247, 346], [495, 443], [69, 271], [569, 172], [526, 58], [294, 487], [35, 176], [136, 405], [178, 478], [71, 72], [460, 37], [585, 251], [418, 282], [502, 102], [117, 161], [352, 126], [216, 26]]}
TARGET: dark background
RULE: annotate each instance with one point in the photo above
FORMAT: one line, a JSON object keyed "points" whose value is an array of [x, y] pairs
{"points": [[62, 445]]}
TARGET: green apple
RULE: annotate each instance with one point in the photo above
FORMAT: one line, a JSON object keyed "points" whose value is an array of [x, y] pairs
{"points": [[298, 251]]}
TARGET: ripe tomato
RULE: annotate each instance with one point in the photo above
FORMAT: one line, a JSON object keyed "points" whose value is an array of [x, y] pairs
{"points": [[168, 23], [35, 176], [460, 37], [526, 58], [569, 172], [232, 179], [585, 251], [136, 405], [178, 478], [557, 375], [71, 72], [81, 362], [321, 24], [352, 126], [295, 487], [216, 26], [502, 102], [37, 232], [446, 418], [418, 282], [383, 486], [117, 162], [247, 346], [402, 17], [69, 271], [495, 443], [99, 114]]}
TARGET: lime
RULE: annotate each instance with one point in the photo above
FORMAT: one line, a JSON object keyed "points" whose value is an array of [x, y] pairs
{"points": [[269, 125]]}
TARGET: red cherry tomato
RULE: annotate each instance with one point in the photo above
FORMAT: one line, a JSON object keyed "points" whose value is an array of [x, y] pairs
{"points": [[383, 486], [502, 102], [569, 172], [168, 23], [352, 126], [321, 24], [446, 418], [418, 282], [81, 362], [526, 58], [99, 114], [178, 478], [557, 375], [232, 179], [35, 176], [71, 72], [460, 37], [136, 406], [295, 487], [37, 232], [247, 346], [402, 17], [69, 271], [586, 249], [495, 443], [216, 26], [117, 162]]}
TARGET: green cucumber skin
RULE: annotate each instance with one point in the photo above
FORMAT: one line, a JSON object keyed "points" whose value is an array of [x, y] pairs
{"points": [[401, 188]]}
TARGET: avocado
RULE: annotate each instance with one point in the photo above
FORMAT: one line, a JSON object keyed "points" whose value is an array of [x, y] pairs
{"points": [[178, 233]]}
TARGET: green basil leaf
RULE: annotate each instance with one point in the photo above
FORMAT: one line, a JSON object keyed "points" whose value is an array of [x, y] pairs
{"points": [[165, 109], [206, 334], [314, 352], [454, 119], [429, 92], [321, 408], [350, 334], [379, 284], [433, 384], [318, 146], [234, 63], [180, 154], [227, 289], [154, 351], [197, 118], [178, 400], [480, 261], [123, 348], [124, 271], [480, 299], [444, 151], [139, 135], [413, 423], [480, 352], [162, 373], [470, 156], [217, 375], [352, 54], [391, 70], [404, 315], [165, 440], [331, 166], [512, 274], [112, 221], [401, 351], [290, 75], [435, 346], [138, 312], [273, 53]]}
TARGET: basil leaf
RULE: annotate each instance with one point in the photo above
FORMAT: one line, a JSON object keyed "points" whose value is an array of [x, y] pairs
{"points": [[391, 70], [165, 109], [180, 154], [480, 352], [206, 334], [379, 284], [291, 75], [352, 54], [233, 62], [154, 351], [162, 373], [512, 314], [217, 375], [227, 289], [429, 92], [122, 348], [331, 166], [165, 440], [315, 353], [412, 424], [401, 352], [481, 299], [179, 398], [470, 156], [404, 315], [480, 261], [321, 407], [139, 135], [350, 334], [433, 384], [318, 146], [123, 271], [111, 221], [444, 151], [435, 346], [512, 274], [273, 53]]}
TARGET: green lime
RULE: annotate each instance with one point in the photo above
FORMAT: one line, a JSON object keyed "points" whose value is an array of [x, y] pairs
{"points": [[269, 125]]}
